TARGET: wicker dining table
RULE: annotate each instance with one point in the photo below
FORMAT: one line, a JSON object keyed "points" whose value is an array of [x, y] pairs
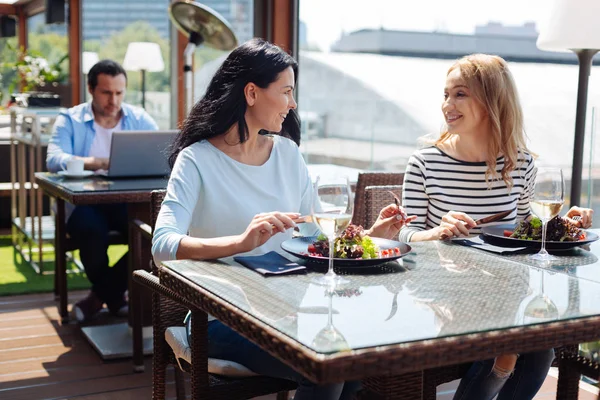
{"points": [[135, 192], [582, 262], [442, 304]]}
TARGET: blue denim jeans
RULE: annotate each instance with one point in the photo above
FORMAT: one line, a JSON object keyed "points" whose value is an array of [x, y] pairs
{"points": [[482, 382], [226, 344]]}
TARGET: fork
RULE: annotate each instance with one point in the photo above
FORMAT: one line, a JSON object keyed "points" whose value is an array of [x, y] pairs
{"points": [[397, 202]]}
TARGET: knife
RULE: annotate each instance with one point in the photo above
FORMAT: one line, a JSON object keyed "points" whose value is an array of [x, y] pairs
{"points": [[492, 218]]}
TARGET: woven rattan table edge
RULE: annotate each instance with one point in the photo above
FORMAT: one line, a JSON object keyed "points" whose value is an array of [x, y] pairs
{"points": [[397, 358]]}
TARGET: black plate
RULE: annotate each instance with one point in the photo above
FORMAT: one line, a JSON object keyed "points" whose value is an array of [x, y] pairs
{"points": [[299, 248], [495, 235]]}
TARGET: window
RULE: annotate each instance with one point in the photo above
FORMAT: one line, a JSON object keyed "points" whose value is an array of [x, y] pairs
{"points": [[108, 26], [239, 14], [371, 77]]}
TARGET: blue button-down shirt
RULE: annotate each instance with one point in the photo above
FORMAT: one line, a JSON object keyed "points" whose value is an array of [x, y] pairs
{"points": [[73, 132]]}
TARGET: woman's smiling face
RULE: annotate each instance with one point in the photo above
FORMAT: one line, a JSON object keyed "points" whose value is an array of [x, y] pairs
{"points": [[463, 113], [273, 103]]}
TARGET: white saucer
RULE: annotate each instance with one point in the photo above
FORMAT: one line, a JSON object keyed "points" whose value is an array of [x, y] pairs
{"points": [[84, 174]]}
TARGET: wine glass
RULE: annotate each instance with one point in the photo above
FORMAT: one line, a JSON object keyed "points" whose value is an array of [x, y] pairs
{"points": [[546, 203], [332, 212], [541, 307], [329, 338]]}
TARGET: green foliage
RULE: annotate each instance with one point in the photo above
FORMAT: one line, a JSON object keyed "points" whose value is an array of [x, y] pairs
{"points": [[7, 55], [45, 62], [115, 47]]}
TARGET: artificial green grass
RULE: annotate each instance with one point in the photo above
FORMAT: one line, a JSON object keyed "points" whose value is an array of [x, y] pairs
{"points": [[17, 276]]}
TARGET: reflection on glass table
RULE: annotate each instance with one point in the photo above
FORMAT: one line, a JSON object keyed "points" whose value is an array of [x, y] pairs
{"points": [[540, 308], [329, 338]]}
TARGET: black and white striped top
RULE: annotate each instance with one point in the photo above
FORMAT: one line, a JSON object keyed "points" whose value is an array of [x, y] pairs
{"points": [[436, 183]]}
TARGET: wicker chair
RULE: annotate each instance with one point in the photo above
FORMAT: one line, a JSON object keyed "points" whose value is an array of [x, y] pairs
{"points": [[377, 197], [168, 310], [571, 365], [371, 179]]}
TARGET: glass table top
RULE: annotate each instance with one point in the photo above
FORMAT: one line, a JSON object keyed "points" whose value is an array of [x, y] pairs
{"points": [[583, 262], [438, 290], [103, 184]]}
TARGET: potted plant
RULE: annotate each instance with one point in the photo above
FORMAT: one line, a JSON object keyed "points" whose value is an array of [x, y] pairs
{"points": [[36, 74]]}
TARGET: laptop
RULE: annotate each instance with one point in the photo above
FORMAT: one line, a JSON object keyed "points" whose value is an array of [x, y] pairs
{"points": [[140, 153]]}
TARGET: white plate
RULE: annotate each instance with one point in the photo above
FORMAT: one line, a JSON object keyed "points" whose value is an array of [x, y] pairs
{"points": [[84, 174]]}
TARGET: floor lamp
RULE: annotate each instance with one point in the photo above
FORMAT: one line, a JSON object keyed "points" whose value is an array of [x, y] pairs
{"points": [[202, 25], [143, 56], [574, 25]]}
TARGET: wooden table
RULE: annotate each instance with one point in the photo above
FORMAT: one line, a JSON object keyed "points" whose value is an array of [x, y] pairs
{"points": [[135, 193], [441, 305]]}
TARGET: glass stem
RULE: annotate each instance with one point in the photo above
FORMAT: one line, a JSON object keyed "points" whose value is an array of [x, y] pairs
{"points": [[330, 310], [330, 271], [544, 225]]}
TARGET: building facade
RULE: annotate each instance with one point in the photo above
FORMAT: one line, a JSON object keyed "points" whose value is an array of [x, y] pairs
{"points": [[101, 17]]}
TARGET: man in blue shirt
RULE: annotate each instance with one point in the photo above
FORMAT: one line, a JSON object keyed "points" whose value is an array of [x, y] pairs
{"points": [[85, 132]]}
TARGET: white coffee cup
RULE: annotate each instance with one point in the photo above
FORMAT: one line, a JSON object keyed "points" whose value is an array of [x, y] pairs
{"points": [[74, 166]]}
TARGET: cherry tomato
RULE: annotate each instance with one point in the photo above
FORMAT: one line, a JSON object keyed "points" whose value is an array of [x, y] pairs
{"points": [[507, 233]]}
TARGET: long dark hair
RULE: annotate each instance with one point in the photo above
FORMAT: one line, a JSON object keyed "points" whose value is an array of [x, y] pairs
{"points": [[224, 103]]}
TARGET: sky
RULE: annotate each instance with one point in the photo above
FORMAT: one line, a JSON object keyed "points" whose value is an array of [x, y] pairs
{"points": [[327, 19]]}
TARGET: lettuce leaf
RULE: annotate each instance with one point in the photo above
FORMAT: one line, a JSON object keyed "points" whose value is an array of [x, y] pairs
{"points": [[370, 248]]}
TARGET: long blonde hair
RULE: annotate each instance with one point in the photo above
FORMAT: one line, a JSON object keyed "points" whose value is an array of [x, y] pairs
{"points": [[492, 85]]}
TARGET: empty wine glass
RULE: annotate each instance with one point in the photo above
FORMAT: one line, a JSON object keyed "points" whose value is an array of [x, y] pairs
{"points": [[546, 203], [332, 212], [541, 307], [330, 339]]}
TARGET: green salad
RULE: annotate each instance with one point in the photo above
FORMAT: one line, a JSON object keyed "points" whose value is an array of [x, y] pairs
{"points": [[352, 243]]}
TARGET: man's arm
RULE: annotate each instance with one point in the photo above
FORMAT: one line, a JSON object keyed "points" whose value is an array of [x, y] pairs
{"points": [[148, 123], [60, 147]]}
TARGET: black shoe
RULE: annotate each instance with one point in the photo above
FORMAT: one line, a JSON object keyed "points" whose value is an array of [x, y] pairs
{"points": [[87, 308]]}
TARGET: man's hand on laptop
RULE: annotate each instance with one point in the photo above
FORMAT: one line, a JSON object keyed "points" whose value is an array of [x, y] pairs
{"points": [[95, 163]]}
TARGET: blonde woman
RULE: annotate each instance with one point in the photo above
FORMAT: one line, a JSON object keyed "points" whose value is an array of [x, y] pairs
{"points": [[479, 166]]}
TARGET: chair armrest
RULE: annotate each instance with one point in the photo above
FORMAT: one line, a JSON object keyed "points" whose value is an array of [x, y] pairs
{"points": [[151, 281], [143, 228]]}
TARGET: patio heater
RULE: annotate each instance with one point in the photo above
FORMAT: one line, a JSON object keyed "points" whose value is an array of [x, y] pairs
{"points": [[573, 25], [202, 25]]}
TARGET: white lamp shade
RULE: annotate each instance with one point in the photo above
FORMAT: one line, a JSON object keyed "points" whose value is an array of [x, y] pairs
{"points": [[143, 56], [571, 25], [88, 60]]}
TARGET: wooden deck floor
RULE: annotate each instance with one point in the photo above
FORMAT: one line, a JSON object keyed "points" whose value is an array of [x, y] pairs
{"points": [[41, 359]]}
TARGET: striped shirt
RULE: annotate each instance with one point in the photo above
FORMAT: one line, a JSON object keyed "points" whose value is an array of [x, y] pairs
{"points": [[436, 183]]}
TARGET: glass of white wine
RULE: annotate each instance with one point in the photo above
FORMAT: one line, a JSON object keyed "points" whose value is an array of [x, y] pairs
{"points": [[332, 212], [546, 203]]}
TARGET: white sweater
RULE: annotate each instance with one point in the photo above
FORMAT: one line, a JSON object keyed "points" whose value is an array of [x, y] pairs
{"points": [[212, 195]]}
